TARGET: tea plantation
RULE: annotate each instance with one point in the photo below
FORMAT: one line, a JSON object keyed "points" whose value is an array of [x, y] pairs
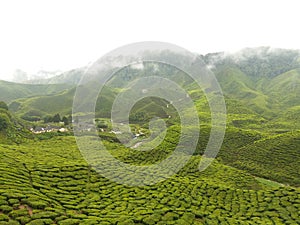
{"points": [[255, 178], [48, 182]]}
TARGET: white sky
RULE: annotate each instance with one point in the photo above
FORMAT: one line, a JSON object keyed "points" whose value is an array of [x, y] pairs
{"points": [[59, 34]]}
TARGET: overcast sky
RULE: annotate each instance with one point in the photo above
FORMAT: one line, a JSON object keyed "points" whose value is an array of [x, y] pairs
{"points": [[51, 35]]}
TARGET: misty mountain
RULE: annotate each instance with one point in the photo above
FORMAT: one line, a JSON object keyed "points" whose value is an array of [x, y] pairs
{"points": [[261, 88], [260, 62], [261, 81], [10, 91], [20, 76], [257, 62], [68, 77]]}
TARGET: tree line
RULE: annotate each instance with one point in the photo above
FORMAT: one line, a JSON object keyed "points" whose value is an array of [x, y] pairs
{"points": [[57, 118]]}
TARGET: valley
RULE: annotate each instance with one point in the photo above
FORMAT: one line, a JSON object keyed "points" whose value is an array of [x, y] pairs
{"points": [[255, 178]]}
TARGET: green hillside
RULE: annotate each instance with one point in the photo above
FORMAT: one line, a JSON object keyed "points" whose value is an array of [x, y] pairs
{"points": [[11, 91], [57, 187], [12, 129], [69, 77], [276, 158], [285, 88], [38, 107], [41, 106], [265, 96], [254, 179], [237, 85]]}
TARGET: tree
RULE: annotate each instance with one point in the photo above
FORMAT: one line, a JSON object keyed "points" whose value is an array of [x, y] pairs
{"points": [[65, 120], [3, 122], [48, 119], [70, 119], [3, 105], [56, 118]]}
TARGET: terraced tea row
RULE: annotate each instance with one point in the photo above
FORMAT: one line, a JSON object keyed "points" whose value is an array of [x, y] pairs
{"points": [[58, 187]]}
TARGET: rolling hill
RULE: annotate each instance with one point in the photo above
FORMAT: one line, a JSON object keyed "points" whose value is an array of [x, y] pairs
{"points": [[12, 129], [58, 187], [264, 96], [11, 91], [71, 77], [254, 180]]}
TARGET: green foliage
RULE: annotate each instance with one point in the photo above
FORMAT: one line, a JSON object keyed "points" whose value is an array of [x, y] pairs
{"points": [[47, 105], [276, 158], [59, 187], [12, 130], [4, 122], [69, 222], [56, 118], [3, 105], [65, 120], [254, 180], [12, 91], [48, 119]]}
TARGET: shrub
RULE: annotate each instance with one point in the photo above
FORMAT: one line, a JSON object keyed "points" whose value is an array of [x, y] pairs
{"points": [[89, 222], [18, 213], [170, 216], [5, 208], [13, 201], [151, 219], [69, 222], [24, 219], [37, 204], [40, 222], [4, 217], [46, 214], [189, 217], [126, 222], [10, 222]]}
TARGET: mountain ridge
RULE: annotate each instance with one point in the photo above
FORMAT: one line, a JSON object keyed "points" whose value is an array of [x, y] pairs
{"points": [[264, 94]]}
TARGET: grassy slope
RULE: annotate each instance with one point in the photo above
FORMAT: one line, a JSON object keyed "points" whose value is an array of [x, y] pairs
{"points": [[237, 85], [262, 94], [12, 91], [276, 158], [258, 109], [246, 97], [62, 103], [44, 105], [58, 187], [285, 89], [59, 103], [16, 131]]}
